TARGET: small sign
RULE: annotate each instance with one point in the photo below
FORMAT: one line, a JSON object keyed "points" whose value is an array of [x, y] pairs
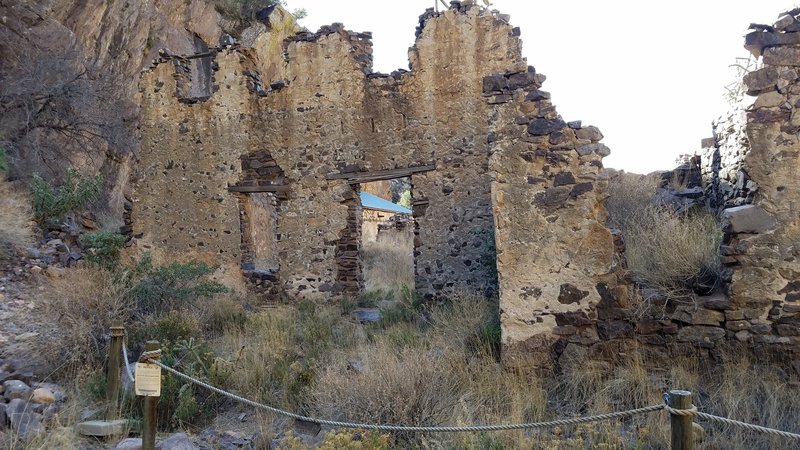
{"points": [[148, 380]]}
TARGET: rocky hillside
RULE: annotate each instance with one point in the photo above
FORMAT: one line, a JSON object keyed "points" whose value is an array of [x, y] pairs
{"points": [[70, 72]]}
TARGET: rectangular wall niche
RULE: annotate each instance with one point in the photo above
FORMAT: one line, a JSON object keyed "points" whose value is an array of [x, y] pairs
{"points": [[261, 212]]}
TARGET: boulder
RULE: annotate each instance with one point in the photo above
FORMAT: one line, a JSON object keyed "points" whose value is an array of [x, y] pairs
{"points": [[26, 423], [43, 395], [177, 441], [747, 219], [16, 389], [129, 444]]}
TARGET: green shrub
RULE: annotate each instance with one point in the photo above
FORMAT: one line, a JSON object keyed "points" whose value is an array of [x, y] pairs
{"points": [[172, 286], [3, 160], [104, 248], [53, 203]]}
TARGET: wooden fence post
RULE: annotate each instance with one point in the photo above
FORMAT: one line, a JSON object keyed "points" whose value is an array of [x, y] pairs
{"points": [[150, 411], [113, 375], [682, 433]]}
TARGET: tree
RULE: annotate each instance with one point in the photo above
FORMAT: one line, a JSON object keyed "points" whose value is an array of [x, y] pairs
{"points": [[54, 106]]}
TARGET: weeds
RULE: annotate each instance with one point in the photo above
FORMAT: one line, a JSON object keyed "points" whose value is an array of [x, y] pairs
{"points": [[52, 203], [104, 248], [389, 262]]}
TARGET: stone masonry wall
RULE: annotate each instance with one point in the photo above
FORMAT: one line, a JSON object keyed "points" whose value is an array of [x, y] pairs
{"points": [[324, 114], [763, 236], [556, 259]]}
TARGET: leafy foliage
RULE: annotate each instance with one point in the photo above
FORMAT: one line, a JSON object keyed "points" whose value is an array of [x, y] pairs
{"points": [[405, 199], [172, 286], [53, 203], [104, 248], [3, 160]]}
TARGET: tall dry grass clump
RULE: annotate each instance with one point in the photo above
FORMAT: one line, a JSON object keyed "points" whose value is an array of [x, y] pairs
{"points": [[389, 262], [16, 216], [83, 304], [666, 252], [672, 253]]}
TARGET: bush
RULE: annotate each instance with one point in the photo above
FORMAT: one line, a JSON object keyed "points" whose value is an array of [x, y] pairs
{"points": [[51, 203], [104, 248], [173, 286]]}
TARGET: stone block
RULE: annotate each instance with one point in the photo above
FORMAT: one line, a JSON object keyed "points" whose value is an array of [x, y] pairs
{"points": [[704, 316], [718, 301], [782, 56], [748, 219], [590, 133], [737, 325], [102, 428], [769, 99], [761, 80], [700, 334]]}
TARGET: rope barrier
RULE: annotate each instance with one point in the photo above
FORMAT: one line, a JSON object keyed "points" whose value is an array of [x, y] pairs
{"points": [[701, 415], [148, 357], [430, 429]]}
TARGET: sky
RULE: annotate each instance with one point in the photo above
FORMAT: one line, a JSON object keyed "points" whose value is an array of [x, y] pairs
{"points": [[651, 75]]}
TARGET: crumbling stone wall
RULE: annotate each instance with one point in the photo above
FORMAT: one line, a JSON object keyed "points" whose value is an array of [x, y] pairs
{"points": [[555, 257], [326, 120], [763, 235]]}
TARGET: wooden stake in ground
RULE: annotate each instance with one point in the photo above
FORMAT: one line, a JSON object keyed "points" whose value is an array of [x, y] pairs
{"points": [[682, 433], [113, 376], [150, 407]]}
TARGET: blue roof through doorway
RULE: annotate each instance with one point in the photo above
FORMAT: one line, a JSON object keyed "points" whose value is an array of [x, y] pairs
{"points": [[374, 202]]}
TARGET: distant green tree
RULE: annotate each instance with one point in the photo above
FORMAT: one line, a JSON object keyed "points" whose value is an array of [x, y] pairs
{"points": [[405, 199]]}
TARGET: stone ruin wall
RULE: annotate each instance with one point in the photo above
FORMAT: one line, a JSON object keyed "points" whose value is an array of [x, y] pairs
{"points": [[756, 158], [510, 176], [326, 113]]}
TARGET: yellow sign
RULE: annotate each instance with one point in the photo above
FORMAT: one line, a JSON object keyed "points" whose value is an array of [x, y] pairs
{"points": [[148, 380]]}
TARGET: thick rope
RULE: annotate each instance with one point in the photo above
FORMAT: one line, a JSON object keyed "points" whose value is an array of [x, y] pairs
{"points": [[694, 412], [125, 360], [429, 429]]}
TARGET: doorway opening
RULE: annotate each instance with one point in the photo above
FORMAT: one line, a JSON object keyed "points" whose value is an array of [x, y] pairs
{"points": [[387, 235]]}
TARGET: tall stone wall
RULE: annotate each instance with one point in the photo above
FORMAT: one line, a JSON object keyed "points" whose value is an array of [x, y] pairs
{"points": [[325, 119], [750, 169], [763, 235], [556, 259]]}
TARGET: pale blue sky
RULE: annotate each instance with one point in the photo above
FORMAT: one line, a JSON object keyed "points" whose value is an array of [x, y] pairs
{"points": [[650, 74]]}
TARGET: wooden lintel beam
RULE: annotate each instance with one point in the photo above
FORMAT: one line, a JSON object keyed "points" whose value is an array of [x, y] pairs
{"points": [[377, 175], [251, 189]]}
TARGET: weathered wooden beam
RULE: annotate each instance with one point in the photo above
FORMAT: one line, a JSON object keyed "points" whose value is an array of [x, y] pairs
{"points": [[251, 189], [378, 175]]}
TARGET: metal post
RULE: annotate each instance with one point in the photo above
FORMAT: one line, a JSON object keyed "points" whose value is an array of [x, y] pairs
{"points": [[113, 375], [150, 412], [682, 433]]}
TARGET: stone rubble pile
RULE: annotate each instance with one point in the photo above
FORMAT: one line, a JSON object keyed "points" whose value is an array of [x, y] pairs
{"points": [[26, 406]]}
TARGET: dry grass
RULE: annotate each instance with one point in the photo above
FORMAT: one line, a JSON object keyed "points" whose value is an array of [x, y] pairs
{"points": [[84, 303], [16, 216], [666, 253], [670, 253], [389, 262]]}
